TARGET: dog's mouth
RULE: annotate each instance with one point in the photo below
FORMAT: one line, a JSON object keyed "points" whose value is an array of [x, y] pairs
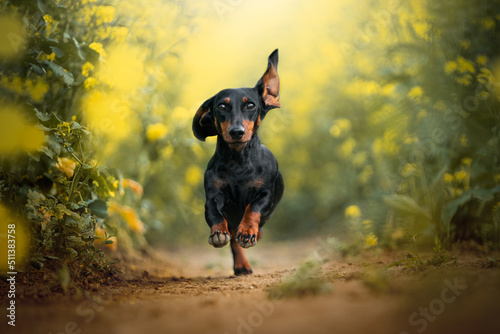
{"points": [[237, 144]]}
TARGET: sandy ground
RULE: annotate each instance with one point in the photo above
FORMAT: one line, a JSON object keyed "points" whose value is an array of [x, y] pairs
{"points": [[192, 291]]}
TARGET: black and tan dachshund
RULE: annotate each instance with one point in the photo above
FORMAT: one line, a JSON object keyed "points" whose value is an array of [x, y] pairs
{"points": [[242, 182]]}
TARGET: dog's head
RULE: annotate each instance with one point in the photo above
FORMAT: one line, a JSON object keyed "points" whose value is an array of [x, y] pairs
{"points": [[235, 114]]}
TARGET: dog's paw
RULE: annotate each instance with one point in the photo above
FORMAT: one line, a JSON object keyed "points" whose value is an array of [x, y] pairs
{"points": [[242, 271], [247, 236], [219, 239]]}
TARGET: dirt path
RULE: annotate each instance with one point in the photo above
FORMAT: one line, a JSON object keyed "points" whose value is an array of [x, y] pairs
{"points": [[191, 291]]}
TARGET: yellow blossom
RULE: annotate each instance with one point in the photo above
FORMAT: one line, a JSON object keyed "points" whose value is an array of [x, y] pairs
{"points": [[37, 89], [422, 114], [440, 105], [465, 65], [352, 211], [450, 67], [466, 161], [128, 215], [87, 68], [194, 175], [464, 141], [371, 240], [135, 186], [448, 178], [97, 47], [67, 166], [340, 127], [90, 82], [481, 60], [156, 131], [415, 93], [105, 14], [367, 224], [460, 176], [17, 135], [409, 169], [51, 56]]}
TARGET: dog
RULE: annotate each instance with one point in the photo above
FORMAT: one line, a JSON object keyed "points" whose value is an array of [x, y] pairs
{"points": [[243, 184]]}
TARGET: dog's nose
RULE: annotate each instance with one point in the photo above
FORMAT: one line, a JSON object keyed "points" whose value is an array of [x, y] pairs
{"points": [[237, 132]]}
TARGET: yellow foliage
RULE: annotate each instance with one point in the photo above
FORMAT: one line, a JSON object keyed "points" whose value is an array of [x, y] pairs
{"points": [[123, 69], [108, 114], [128, 215], [156, 131], [194, 175], [415, 93], [371, 240], [12, 38], [135, 186], [16, 135], [15, 228], [352, 211], [67, 166], [98, 48], [87, 68]]}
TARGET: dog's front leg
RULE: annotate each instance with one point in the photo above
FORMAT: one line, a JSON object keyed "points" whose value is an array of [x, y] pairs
{"points": [[248, 230], [219, 236]]}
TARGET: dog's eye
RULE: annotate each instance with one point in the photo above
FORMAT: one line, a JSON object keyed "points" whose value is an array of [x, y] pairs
{"points": [[222, 107], [250, 106]]}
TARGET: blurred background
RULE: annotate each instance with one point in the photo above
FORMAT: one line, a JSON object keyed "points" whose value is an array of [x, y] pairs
{"points": [[388, 131]]}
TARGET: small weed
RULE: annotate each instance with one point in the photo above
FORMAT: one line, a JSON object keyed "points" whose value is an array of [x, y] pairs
{"points": [[306, 280]]}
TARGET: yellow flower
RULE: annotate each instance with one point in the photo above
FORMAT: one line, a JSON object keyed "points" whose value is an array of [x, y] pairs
{"points": [[156, 131], [97, 47], [398, 234], [409, 169], [465, 66], [465, 44], [481, 60], [100, 234], [340, 127], [135, 186], [450, 67], [487, 23], [105, 14], [352, 211], [466, 161], [415, 93], [460, 176], [367, 224], [422, 114], [464, 141], [49, 21], [410, 139], [90, 82], [348, 146], [119, 34], [371, 240], [194, 175], [67, 166], [128, 215], [51, 57], [86, 68], [448, 178], [16, 134], [440, 105]]}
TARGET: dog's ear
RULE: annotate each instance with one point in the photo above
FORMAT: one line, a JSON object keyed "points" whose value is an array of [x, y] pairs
{"points": [[268, 86], [204, 122]]}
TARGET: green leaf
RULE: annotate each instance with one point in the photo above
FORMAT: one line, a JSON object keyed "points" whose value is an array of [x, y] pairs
{"points": [[98, 208], [406, 205], [108, 242], [63, 73], [478, 193]]}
